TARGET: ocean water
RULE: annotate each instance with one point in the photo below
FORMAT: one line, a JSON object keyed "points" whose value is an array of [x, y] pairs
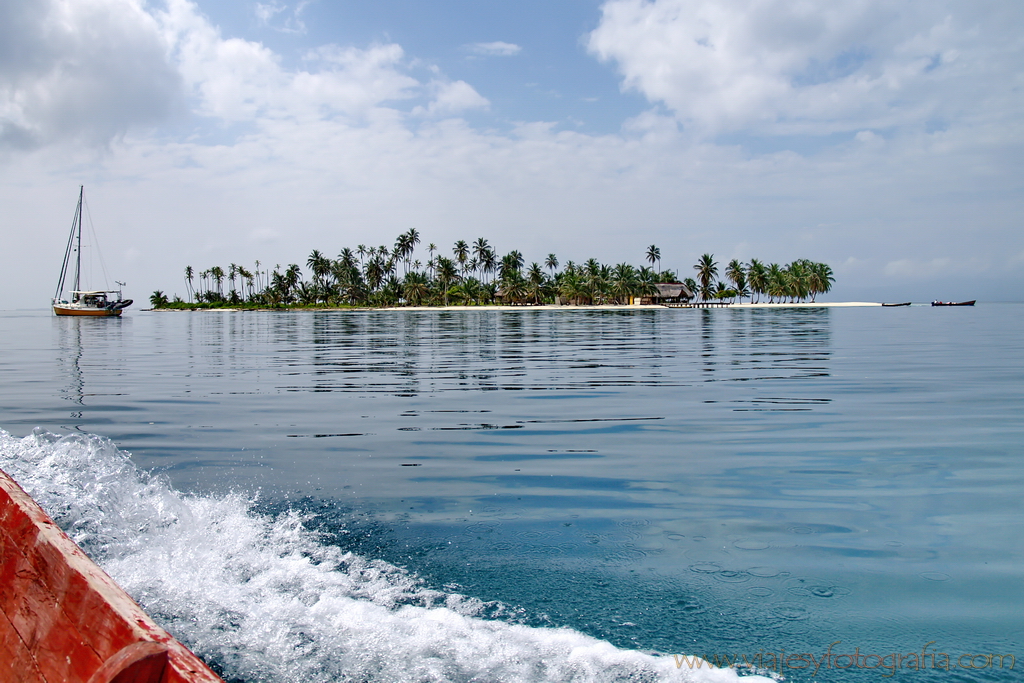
{"points": [[823, 494]]}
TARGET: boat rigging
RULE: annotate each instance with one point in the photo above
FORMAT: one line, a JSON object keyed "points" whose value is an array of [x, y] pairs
{"points": [[79, 301]]}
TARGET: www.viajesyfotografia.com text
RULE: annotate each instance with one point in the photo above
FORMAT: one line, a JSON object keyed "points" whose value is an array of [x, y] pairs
{"points": [[888, 664]]}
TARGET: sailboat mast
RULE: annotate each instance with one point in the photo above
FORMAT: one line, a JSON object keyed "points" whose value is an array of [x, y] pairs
{"points": [[75, 228], [78, 264]]}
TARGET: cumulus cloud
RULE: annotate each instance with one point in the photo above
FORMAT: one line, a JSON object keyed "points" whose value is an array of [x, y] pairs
{"points": [[790, 67], [82, 69], [495, 49], [452, 98], [266, 13], [93, 69], [239, 80]]}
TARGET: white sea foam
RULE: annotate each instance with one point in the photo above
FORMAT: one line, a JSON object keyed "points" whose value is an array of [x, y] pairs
{"points": [[266, 600]]}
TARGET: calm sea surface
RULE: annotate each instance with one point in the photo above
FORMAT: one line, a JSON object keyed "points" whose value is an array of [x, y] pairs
{"points": [[736, 482]]}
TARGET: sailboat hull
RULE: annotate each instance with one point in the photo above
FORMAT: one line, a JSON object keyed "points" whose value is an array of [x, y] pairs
{"points": [[71, 309]]}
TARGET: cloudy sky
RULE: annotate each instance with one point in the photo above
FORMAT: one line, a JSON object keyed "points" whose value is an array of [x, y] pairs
{"points": [[883, 137]]}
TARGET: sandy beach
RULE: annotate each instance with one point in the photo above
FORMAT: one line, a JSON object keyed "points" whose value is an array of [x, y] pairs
{"points": [[630, 307], [548, 307]]}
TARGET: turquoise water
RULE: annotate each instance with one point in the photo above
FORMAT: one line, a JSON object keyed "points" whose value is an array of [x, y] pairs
{"points": [[701, 482]]}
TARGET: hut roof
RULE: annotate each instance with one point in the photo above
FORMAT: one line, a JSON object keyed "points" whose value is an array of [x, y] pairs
{"points": [[673, 290]]}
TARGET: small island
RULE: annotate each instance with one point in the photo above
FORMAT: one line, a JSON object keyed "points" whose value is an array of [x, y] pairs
{"points": [[383, 277]]}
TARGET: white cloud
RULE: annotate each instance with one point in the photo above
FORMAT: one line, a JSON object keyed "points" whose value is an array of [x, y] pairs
{"points": [[788, 67], [452, 98], [266, 13], [495, 49], [238, 80], [85, 69]]}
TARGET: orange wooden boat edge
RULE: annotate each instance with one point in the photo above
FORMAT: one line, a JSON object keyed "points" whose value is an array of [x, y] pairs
{"points": [[57, 593]]}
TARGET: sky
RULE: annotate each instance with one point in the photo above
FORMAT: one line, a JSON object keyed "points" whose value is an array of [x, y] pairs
{"points": [[883, 137]]}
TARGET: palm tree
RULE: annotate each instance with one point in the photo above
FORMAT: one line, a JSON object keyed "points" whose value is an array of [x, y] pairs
{"points": [[217, 273], [737, 274], [691, 285], [246, 276], [473, 290], [374, 273], [571, 287], [401, 248], [489, 263], [189, 273], [431, 248], [461, 252], [820, 279], [777, 286], [447, 273], [480, 249], [293, 275], [415, 288], [157, 299], [624, 282], [511, 262], [408, 246], [646, 281], [707, 270], [798, 279], [593, 281], [513, 286], [757, 278], [320, 266], [535, 277], [706, 291], [551, 262], [516, 258], [654, 254]]}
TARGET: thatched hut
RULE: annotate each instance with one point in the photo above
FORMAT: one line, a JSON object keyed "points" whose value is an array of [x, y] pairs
{"points": [[668, 293]]}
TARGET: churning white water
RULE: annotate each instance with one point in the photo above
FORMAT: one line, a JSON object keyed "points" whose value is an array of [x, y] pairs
{"points": [[262, 598]]}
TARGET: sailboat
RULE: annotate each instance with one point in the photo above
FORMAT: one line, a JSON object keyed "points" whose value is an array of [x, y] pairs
{"points": [[79, 301]]}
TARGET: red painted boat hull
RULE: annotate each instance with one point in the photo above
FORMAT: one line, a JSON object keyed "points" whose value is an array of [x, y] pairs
{"points": [[63, 620]]}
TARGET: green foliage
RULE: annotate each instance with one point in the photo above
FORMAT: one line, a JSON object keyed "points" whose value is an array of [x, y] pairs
{"points": [[475, 274]]}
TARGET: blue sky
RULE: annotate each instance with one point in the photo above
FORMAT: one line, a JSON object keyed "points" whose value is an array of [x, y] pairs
{"points": [[881, 136], [544, 73]]}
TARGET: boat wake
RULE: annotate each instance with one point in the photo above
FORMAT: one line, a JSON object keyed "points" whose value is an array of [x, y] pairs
{"points": [[263, 598]]}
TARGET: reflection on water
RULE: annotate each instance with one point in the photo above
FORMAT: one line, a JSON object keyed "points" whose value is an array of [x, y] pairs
{"points": [[105, 338], [657, 478], [411, 353], [69, 360]]}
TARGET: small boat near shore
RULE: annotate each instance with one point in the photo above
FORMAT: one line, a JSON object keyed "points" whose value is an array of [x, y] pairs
{"points": [[954, 303], [906, 303], [79, 301]]}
